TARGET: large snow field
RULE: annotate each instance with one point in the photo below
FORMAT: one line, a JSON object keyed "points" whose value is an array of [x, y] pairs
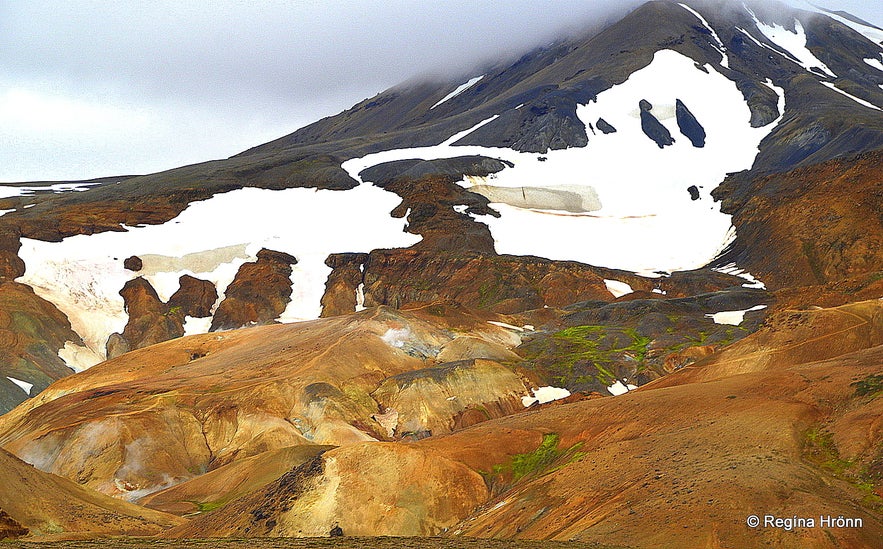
{"points": [[647, 221], [82, 275]]}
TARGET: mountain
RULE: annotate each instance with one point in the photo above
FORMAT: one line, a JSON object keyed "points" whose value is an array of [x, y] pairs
{"points": [[595, 279]]}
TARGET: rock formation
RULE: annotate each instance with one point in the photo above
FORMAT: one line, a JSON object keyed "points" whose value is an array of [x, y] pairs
{"points": [[258, 294]]}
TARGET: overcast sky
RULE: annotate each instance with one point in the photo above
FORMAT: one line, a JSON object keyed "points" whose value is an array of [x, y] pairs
{"points": [[96, 88]]}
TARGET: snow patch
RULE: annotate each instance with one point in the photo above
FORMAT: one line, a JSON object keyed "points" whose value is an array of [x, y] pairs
{"points": [[733, 269], [194, 325], [23, 385], [461, 208], [360, 297], [620, 388], [861, 102], [733, 318], [460, 89], [507, 326], [794, 43], [725, 62], [874, 63], [617, 288], [544, 395]]}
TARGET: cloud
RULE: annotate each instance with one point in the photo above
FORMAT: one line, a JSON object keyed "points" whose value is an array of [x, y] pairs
{"points": [[192, 81]]}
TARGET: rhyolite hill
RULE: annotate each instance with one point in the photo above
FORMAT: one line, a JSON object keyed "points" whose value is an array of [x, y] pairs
{"points": [[357, 328]]}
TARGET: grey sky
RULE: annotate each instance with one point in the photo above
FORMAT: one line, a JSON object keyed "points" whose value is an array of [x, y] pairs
{"points": [[93, 88]]}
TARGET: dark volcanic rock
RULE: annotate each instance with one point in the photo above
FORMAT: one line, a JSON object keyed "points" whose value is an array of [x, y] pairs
{"points": [[342, 286], [694, 192], [195, 297], [653, 128], [258, 294], [688, 125], [547, 123], [605, 126], [133, 263], [383, 174]]}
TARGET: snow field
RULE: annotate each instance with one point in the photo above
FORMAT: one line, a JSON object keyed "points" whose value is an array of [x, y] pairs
{"points": [[82, 275], [544, 395], [647, 221]]}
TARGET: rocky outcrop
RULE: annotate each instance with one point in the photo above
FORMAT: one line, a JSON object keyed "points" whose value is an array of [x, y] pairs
{"points": [[133, 263], [343, 289], [808, 226], [32, 331], [258, 294], [11, 266], [195, 297], [500, 283], [689, 126], [652, 127], [150, 320]]}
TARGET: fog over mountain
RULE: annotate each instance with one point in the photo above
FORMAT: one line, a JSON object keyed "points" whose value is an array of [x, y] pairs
{"points": [[93, 89]]}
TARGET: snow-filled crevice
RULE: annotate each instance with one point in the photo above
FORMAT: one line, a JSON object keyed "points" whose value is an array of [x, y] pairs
{"points": [[460, 89]]}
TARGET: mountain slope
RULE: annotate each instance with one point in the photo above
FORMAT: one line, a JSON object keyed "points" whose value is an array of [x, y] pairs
{"points": [[47, 505]]}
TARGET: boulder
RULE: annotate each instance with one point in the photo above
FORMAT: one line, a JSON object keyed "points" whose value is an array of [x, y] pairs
{"points": [[133, 263], [605, 126]]}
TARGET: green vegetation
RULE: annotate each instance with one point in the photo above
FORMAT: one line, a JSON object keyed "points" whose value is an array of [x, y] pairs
{"points": [[206, 506], [545, 459], [870, 386], [820, 450], [579, 356]]}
